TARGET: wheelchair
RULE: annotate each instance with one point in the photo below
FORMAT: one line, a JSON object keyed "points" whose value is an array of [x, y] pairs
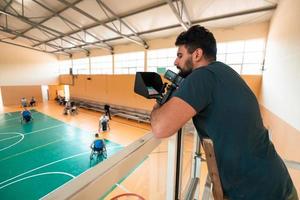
{"points": [[73, 110], [26, 119], [98, 153]]}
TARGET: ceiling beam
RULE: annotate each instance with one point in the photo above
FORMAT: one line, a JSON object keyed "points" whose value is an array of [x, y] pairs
{"points": [[102, 4], [41, 27], [98, 22], [235, 14], [177, 15], [7, 5], [25, 47], [12, 32], [137, 11], [188, 18], [107, 46], [46, 19]]}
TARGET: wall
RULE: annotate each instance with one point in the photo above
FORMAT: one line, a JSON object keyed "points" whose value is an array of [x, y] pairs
{"points": [[20, 66], [118, 90], [112, 89], [254, 82], [11, 95], [243, 32], [280, 94], [54, 90], [281, 86]]}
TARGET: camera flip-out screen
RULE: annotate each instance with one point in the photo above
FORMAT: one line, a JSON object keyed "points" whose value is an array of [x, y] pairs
{"points": [[148, 84]]}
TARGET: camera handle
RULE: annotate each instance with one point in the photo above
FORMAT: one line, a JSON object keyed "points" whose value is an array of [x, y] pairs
{"points": [[170, 89]]}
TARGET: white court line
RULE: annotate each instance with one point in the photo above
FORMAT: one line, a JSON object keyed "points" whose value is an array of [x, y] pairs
{"points": [[15, 133], [41, 174], [120, 186], [22, 135], [9, 133], [16, 117], [45, 129], [33, 131], [113, 147], [14, 155], [42, 166]]}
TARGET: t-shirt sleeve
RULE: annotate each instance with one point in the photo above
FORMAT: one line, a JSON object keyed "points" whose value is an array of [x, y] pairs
{"points": [[197, 89]]}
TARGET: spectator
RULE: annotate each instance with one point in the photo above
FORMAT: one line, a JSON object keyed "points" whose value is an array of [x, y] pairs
{"points": [[24, 102], [32, 102]]}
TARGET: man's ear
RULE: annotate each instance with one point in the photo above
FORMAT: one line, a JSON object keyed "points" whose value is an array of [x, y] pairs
{"points": [[197, 55]]}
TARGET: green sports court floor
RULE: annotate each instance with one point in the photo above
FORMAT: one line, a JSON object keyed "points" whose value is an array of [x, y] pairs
{"points": [[40, 156]]}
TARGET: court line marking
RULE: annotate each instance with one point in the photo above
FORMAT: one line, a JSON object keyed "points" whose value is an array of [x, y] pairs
{"points": [[35, 131], [17, 154], [33, 113], [121, 187], [41, 174], [22, 137], [9, 133], [14, 125], [42, 166]]}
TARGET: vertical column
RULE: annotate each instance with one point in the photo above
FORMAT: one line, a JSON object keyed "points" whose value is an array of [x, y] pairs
{"points": [[113, 63], [145, 60]]}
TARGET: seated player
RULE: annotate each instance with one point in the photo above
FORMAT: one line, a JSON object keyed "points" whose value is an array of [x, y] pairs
{"points": [[104, 123], [98, 146], [73, 110], [26, 115], [67, 108]]}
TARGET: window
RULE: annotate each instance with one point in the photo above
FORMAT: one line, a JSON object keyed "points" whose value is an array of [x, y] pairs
{"points": [[101, 65], [245, 57], [64, 66], [81, 66], [129, 63], [161, 60]]}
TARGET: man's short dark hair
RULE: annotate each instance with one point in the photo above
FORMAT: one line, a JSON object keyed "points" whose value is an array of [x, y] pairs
{"points": [[199, 37], [96, 135]]}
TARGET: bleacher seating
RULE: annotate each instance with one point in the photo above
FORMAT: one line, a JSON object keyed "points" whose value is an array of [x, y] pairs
{"points": [[116, 110]]}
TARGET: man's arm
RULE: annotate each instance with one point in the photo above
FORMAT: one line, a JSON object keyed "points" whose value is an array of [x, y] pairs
{"points": [[170, 117]]}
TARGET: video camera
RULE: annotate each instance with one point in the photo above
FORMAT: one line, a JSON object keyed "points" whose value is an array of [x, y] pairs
{"points": [[151, 86]]}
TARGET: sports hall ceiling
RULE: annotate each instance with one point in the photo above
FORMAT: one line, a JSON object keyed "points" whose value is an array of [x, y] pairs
{"points": [[66, 26]]}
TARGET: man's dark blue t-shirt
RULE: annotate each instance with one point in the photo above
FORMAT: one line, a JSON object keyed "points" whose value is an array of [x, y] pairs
{"points": [[228, 113]]}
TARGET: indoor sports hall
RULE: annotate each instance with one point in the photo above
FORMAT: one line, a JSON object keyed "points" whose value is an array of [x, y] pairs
{"points": [[82, 81]]}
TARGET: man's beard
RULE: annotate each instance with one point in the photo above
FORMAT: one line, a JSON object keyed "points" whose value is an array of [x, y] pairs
{"points": [[187, 70]]}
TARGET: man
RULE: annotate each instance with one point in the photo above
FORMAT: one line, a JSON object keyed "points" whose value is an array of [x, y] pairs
{"points": [[224, 109]]}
